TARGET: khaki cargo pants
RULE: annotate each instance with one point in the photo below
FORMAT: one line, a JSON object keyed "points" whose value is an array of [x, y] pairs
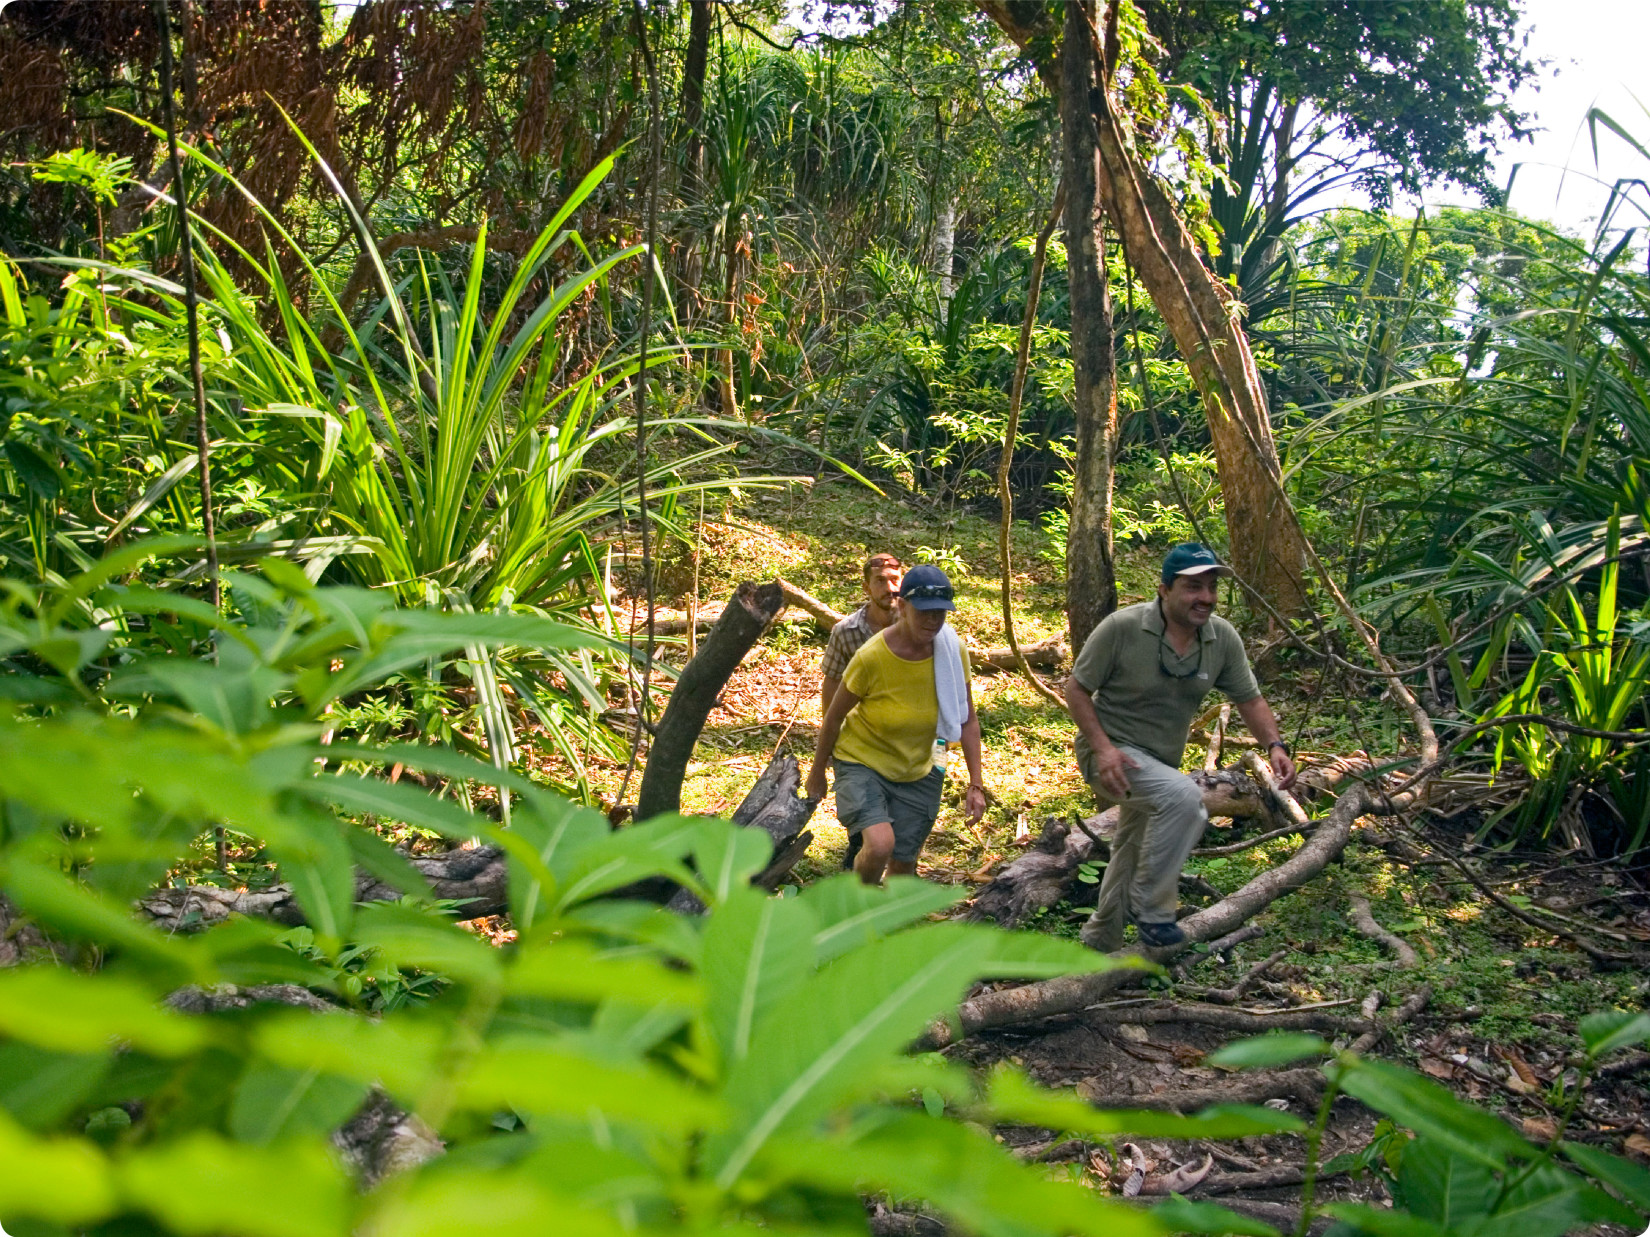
{"points": [[1158, 825]]}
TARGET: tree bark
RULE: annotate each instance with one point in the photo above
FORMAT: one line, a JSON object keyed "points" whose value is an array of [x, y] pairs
{"points": [[945, 245], [743, 621], [693, 96], [1091, 582], [1268, 546]]}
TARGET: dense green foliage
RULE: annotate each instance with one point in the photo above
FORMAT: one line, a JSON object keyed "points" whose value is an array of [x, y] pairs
{"points": [[422, 247]]}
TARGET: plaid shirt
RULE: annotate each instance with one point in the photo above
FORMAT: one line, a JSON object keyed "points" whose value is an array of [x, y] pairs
{"points": [[847, 637]]}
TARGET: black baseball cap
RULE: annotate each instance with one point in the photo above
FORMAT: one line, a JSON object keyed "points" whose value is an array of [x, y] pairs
{"points": [[926, 588], [1191, 559]]}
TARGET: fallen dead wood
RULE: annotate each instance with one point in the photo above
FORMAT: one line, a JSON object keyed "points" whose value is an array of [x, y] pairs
{"points": [[1413, 1004], [1070, 993], [742, 623], [475, 878], [1226, 1018], [1271, 835], [1044, 875], [1363, 919], [1234, 994], [776, 806], [1303, 1085]]}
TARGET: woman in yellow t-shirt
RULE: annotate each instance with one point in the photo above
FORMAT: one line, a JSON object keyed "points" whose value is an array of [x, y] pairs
{"points": [[878, 735]]}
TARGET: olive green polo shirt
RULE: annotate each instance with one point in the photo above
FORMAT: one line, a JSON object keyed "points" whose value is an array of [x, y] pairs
{"points": [[1146, 694]]}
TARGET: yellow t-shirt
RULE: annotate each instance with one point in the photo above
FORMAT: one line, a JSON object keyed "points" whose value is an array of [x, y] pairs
{"points": [[891, 729]]}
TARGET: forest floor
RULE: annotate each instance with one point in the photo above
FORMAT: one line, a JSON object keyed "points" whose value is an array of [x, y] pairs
{"points": [[1500, 1025]]}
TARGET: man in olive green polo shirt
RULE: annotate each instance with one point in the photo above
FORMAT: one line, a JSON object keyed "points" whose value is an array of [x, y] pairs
{"points": [[1137, 685]]}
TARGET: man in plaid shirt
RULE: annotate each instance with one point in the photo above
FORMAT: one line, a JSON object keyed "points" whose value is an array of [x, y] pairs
{"points": [[882, 576], [881, 583]]}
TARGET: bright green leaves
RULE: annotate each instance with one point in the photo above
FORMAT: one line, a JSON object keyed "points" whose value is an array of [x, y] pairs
{"points": [[1012, 1098], [1269, 1051], [1431, 1111], [273, 1103], [758, 950], [961, 1172], [61, 1179], [66, 1011], [203, 1185], [1604, 1032], [864, 1006]]}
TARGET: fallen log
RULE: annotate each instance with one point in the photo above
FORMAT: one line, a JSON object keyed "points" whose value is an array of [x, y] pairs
{"points": [[476, 878], [1070, 993], [1227, 1019], [1045, 874], [776, 805]]}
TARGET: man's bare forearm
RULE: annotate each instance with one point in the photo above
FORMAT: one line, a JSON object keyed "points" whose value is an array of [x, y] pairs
{"points": [[1262, 722]]}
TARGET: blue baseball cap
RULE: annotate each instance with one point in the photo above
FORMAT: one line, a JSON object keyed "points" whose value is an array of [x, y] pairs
{"points": [[1191, 559], [926, 588]]}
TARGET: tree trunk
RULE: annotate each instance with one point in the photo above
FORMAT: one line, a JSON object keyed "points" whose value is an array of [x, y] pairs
{"points": [[693, 96], [1091, 582], [945, 245], [742, 623], [1268, 546]]}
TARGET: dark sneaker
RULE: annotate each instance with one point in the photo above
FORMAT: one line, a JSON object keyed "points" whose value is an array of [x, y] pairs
{"points": [[1158, 935]]}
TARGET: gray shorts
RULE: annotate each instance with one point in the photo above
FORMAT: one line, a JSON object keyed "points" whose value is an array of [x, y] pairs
{"points": [[864, 797]]}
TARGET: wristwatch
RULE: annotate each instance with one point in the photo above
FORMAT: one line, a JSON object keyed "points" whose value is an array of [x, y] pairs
{"points": [[1279, 743]]}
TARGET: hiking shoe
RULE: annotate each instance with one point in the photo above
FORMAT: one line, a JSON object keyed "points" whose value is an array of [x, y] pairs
{"points": [[1159, 935]]}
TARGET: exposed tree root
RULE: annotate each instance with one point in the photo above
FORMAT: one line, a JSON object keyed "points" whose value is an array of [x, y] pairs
{"points": [[1240, 1020], [1303, 1085], [477, 878], [1070, 993], [1413, 1004], [1234, 994], [1364, 920]]}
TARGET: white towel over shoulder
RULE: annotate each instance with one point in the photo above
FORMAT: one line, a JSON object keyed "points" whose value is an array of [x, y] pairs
{"points": [[950, 685]]}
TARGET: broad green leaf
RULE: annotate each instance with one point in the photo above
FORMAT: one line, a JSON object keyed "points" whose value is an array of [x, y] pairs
{"points": [[273, 1103], [401, 1053], [1013, 1098], [822, 1046], [851, 912], [727, 856], [207, 1185], [379, 859], [40, 1087], [65, 1180], [408, 937], [1269, 1051], [445, 1204], [557, 831], [622, 857], [315, 858], [1182, 1215], [645, 923], [1547, 1203], [575, 970], [1383, 1222], [757, 950], [1611, 1029], [537, 1075], [1431, 1111], [1437, 1183], [399, 801], [963, 1174], [1630, 1180], [71, 1012]]}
